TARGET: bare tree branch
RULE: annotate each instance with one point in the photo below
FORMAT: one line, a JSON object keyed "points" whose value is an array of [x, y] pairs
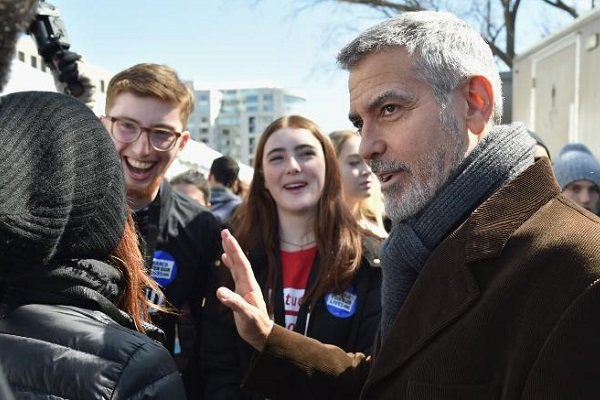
{"points": [[496, 25], [387, 6], [565, 7], [510, 18]]}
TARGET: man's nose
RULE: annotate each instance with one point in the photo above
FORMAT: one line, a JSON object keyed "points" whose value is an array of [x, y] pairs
{"points": [[142, 144], [371, 145]]}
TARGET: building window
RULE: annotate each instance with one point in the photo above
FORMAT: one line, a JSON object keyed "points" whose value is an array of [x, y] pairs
{"points": [[102, 88], [231, 102], [252, 99], [34, 61], [203, 130], [43, 65], [251, 124], [204, 119], [21, 56], [225, 131]]}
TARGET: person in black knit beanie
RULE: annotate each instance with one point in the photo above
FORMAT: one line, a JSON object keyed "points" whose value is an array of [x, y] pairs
{"points": [[73, 315]]}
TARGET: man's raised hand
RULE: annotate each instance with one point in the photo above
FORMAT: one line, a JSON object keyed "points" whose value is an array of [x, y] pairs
{"points": [[247, 303]]}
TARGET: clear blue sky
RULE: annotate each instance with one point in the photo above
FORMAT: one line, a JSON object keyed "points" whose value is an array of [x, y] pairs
{"points": [[232, 40], [221, 41]]}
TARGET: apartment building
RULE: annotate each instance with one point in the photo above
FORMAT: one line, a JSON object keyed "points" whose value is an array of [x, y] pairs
{"points": [[231, 118]]}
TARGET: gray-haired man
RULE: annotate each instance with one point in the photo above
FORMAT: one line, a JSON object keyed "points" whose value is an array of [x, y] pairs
{"points": [[491, 277]]}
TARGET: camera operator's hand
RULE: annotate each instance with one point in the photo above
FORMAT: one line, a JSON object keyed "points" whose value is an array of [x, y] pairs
{"points": [[68, 71]]}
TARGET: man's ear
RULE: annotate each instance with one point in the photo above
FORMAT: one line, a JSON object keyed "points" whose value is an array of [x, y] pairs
{"points": [[185, 136], [480, 103]]}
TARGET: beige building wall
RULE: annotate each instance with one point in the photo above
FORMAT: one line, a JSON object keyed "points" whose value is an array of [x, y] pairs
{"points": [[556, 87], [29, 73]]}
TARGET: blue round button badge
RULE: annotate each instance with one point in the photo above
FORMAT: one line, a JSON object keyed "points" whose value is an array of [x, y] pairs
{"points": [[342, 305], [164, 268]]}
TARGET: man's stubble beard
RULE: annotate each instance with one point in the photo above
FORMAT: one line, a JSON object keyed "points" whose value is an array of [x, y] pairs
{"points": [[135, 194], [429, 174]]}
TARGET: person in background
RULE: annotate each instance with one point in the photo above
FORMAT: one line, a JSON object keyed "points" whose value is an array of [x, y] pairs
{"points": [[193, 184], [491, 276], [578, 174], [360, 187], [147, 109], [240, 188], [293, 219], [73, 315], [223, 176]]}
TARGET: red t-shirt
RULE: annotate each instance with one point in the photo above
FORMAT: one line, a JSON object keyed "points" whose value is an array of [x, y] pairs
{"points": [[295, 269]]}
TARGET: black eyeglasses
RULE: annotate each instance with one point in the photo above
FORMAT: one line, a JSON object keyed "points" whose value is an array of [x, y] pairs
{"points": [[128, 131]]}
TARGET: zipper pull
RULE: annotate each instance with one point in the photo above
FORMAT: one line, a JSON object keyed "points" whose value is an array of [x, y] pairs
{"points": [[307, 319], [176, 344]]}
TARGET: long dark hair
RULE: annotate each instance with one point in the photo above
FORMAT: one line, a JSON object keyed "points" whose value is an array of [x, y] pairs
{"points": [[337, 233]]}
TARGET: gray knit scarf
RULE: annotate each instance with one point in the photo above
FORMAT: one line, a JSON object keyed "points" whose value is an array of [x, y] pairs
{"points": [[503, 154]]}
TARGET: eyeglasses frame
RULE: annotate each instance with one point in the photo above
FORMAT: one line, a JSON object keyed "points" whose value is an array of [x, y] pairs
{"points": [[142, 129]]}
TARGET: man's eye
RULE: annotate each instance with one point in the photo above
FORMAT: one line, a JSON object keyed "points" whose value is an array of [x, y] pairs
{"points": [[163, 133], [357, 124], [389, 109], [130, 126]]}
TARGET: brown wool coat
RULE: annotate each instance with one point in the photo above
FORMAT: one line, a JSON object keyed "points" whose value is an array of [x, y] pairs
{"points": [[507, 307]]}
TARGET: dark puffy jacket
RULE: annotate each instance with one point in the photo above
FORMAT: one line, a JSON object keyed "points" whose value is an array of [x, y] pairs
{"points": [[63, 337], [68, 352]]}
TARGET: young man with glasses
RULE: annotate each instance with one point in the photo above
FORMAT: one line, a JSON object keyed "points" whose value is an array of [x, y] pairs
{"points": [[147, 109]]}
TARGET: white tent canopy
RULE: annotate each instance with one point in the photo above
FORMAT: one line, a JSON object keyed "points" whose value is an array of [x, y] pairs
{"points": [[198, 156]]}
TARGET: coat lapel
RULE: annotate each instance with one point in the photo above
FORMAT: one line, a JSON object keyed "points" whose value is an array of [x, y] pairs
{"points": [[446, 287], [443, 291]]}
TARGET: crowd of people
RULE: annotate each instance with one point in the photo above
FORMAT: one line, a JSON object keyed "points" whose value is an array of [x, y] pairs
{"points": [[432, 254]]}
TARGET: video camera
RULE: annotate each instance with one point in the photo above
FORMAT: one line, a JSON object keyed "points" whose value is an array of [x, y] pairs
{"points": [[50, 36]]}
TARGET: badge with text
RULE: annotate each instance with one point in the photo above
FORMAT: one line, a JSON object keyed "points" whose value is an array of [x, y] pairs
{"points": [[342, 305], [164, 268]]}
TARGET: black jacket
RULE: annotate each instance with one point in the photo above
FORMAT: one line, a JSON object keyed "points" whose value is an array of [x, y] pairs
{"points": [[184, 238], [226, 356], [64, 338]]}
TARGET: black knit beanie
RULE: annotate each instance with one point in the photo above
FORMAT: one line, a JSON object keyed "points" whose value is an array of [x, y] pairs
{"points": [[62, 194]]}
